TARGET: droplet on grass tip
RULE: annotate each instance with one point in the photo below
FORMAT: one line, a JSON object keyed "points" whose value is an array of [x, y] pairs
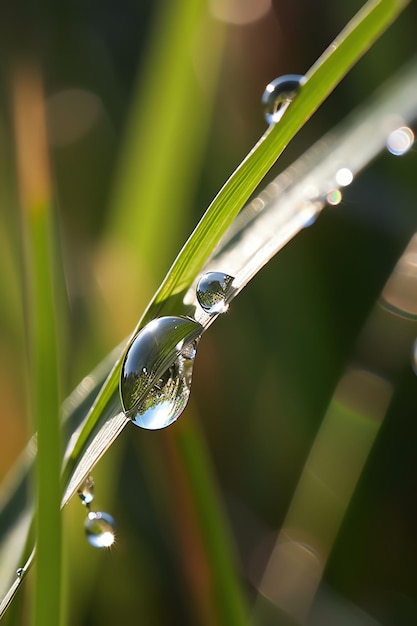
{"points": [[212, 291], [278, 94], [156, 375], [100, 529]]}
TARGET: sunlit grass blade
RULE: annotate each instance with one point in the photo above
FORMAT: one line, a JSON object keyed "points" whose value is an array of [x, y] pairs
{"points": [[352, 43], [42, 312]]}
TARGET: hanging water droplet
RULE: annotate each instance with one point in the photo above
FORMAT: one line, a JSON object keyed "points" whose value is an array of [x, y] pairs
{"points": [[19, 572], [100, 529], [157, 369], [212, 291], [86, 491], [400, 141], [278, 94]]}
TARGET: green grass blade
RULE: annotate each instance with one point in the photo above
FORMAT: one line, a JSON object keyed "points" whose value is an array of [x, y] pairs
{"points": [[43, 343], [170, 114], [349, 46], [225, 599]]}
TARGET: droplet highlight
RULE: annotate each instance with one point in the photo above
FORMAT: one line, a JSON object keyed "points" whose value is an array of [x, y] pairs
{"points": [[278, 94], [400, 141], [213, 290], [86, 491], [100, 529], [156, 374], [344, 176], [20, 572]]}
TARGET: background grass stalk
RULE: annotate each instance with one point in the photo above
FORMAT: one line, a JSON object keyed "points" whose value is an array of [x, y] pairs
{"points": [[34, 184]]}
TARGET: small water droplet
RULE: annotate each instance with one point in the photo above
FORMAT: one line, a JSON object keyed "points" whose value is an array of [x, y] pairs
{"points": [[100, 529], [334, 197], [86, 491], [278, 94], [212, 291], [20, 572], [157, 369], [400, 141]]}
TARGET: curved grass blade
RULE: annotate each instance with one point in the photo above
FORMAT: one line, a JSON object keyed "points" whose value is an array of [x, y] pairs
{"points": [[349, 46]]}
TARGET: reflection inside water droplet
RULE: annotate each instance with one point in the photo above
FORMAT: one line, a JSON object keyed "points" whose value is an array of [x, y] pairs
{"points": [[86, 491], [157, 371], [278, 95], [400, 141], [19, 572], [212, 291], [100, 529]]}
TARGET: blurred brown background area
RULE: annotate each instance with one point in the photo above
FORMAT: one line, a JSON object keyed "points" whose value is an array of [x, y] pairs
{"points": [[266, 371]]}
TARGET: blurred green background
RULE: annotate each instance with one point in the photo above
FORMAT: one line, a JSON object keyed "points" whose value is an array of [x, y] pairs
{"points": [[265, 373]]}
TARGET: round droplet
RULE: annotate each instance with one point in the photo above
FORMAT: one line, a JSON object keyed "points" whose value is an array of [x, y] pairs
{"points": [[86, 491], [19, 572], [157, 369], [99, 529], [400, 141], [212, 291], [334, 197], [278, 94]]}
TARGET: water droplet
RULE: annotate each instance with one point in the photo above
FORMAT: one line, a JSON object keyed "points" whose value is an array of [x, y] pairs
{"points": [[86, 491], [157, 370], [20, 572], [100, 529], [400, 141], [278, 94], [212, 291], [334, 197]]}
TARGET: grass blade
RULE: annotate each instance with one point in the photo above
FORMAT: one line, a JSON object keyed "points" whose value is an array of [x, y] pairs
{"points": [[351, 44], [42, 322]]}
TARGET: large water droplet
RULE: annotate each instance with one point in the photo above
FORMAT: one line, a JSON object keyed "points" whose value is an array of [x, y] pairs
{"points": [[157, 370], [212, 291], [278, 94], [100, 529], [86, 491]]}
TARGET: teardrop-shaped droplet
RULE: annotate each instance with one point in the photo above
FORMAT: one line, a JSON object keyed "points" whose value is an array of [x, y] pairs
{"points": [[157, 371], [99, 529], [86, 491], [278, 94], [212, 291]]}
